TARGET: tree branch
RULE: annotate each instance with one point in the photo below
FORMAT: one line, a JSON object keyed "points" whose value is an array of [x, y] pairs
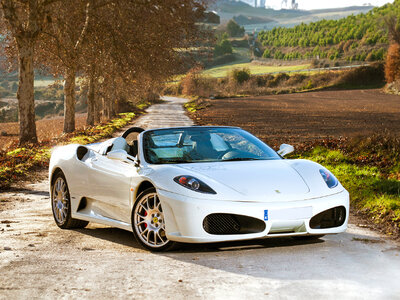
{"points": [[85, 27]]}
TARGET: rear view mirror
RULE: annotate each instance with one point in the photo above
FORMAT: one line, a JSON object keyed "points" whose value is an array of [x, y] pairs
{"points": [[122, 155], [285, 149]]}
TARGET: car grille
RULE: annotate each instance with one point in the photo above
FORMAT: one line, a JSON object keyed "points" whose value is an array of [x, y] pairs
{"points": [[232, 224]]}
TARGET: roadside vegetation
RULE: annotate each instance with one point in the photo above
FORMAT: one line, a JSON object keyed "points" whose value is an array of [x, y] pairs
{"points": [[369, 168], [242, 82]]}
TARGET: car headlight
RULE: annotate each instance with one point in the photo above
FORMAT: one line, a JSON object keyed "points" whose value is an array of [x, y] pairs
{"points": [[329, 178], [193, 184]]}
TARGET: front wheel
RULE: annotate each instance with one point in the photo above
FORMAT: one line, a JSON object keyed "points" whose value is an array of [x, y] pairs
{"points": [[61, 204], [148, 222]]}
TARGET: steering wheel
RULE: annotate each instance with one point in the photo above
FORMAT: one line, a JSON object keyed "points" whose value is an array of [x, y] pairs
{"points": [[232, 154], [132, 129], [127, 134]]}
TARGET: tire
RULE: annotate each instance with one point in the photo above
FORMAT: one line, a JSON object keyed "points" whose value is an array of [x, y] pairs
{"points": [[61, 204], [148, 222]]}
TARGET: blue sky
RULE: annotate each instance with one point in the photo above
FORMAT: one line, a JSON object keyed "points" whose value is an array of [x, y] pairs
{"points": [[316, 4]]}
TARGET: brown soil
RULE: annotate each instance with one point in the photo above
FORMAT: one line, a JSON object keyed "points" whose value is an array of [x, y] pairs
{"points": [[302, 117], [47, 129]]}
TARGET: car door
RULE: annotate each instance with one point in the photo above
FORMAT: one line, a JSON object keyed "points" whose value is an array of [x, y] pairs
{"points": [[110, 184]]}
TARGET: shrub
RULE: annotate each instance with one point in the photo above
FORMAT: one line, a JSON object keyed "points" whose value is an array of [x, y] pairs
{"points": [[240, 75], [223, 47], [194, 84], [278, 79], [296, 79], [392, 66], [262, 80], [234, 29], [267, 53], [365, 75]]}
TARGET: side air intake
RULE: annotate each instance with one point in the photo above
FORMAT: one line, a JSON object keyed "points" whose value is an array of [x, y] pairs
{"points": [[330, 218], [232, 224]]}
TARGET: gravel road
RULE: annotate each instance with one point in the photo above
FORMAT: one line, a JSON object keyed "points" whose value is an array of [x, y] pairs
{"points": [[39, 260]]}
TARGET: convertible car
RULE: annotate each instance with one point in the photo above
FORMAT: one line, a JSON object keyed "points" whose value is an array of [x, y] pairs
{"points": [[194, 185]]}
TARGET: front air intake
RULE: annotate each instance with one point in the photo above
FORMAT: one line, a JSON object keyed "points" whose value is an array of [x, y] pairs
{"points": [[232, 224], [330, 218]]}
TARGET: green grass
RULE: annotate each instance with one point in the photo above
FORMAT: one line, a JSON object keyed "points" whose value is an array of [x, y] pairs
{"points": [[195, 105], [244, 53], [372, 192], [223, 71]]}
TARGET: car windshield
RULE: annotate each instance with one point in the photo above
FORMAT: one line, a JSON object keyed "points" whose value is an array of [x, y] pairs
{"points": [[203, 144]]}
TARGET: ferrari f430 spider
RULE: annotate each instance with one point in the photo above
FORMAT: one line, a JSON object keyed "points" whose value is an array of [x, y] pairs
{"points": [[194, 185]]}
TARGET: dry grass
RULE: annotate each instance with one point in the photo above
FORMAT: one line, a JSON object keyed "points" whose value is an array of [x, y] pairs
{"points": [[47, 129], [194, 84]]}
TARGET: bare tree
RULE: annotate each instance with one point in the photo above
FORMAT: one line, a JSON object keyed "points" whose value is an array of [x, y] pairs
{"points": [[141, 46], [61, 49], [25, 21]]}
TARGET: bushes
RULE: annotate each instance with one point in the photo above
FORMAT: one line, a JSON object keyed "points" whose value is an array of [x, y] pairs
{"points": [[223, 46], [278, 79], [194, 84], [240, 75], [267, 53], [241, 82], [234, 30], [392, 67], [372, 75]]}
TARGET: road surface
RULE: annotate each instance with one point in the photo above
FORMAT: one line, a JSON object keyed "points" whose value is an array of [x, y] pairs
{"points": [[39, 260]]}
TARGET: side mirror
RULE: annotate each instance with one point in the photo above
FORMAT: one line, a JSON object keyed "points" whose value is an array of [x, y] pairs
{"points": [[122, 155], [285, 149]]}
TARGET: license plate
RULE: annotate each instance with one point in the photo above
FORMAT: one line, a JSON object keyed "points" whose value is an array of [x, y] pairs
{"points": [[297, 213], [266, 215]]}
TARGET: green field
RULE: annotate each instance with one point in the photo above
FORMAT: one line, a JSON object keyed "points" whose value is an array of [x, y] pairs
{"points": [[43, 82], [222, 71]]}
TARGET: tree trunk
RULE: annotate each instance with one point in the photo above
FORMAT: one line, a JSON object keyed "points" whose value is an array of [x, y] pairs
{"points": [[69, 100], [26, 101], [97, 114], [112, 107], [91, 101], [106, 108]]}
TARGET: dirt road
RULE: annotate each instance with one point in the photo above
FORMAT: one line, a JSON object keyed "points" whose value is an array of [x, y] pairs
{"points": [[39, 260]]}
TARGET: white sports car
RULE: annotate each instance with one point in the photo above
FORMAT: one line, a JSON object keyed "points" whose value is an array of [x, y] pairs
{"points": [[196, 185]]}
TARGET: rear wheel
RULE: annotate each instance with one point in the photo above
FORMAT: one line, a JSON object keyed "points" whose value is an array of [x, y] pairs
{"points": [[148, 222], [61, 204]]}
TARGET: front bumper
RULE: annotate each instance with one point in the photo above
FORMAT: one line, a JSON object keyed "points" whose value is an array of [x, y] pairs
{"points": [[184, 217]]}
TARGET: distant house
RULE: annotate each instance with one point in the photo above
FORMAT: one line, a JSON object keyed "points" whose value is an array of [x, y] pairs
{"points": [[211, 17]]}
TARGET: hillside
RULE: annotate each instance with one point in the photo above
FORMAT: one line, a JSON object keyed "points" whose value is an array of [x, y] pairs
{"points": [[253, 18], [361, 37]]}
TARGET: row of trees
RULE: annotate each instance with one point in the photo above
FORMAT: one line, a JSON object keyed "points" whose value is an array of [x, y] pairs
{"points": [[121, 48], [332, 53], [367, 28]]}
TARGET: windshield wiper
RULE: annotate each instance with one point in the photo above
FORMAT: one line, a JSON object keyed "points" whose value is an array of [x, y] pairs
{"points": [[241, 159], [175, 162]]}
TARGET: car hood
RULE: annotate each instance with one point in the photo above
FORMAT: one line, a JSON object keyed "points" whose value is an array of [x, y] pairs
{"points": [[255, 181]]}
